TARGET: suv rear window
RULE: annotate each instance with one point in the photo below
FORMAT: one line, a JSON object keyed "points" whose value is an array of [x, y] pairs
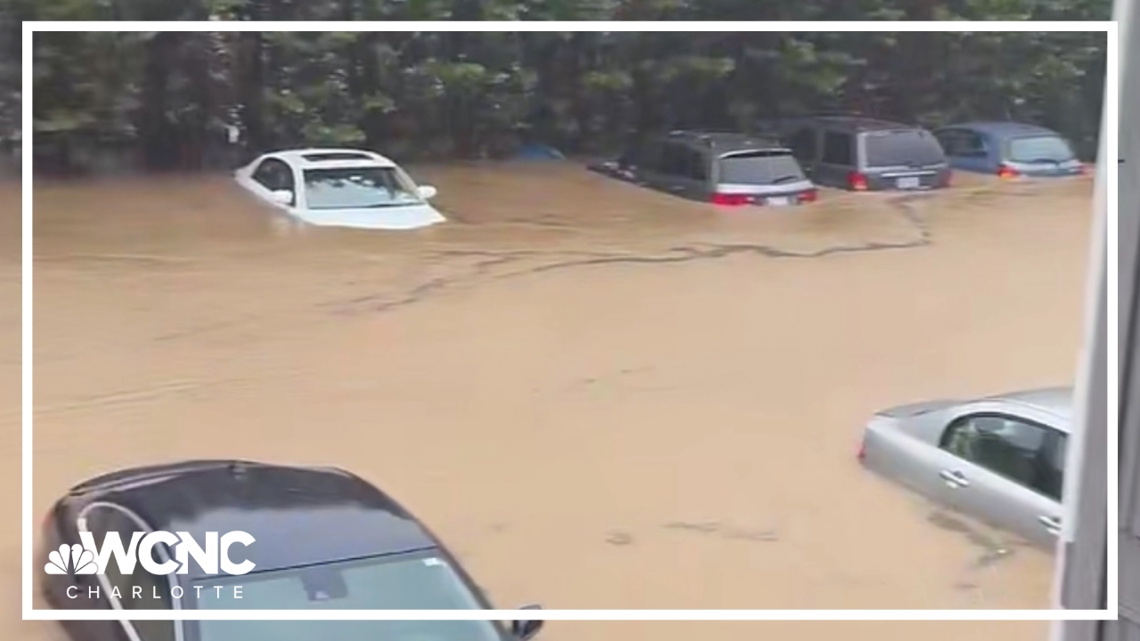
{"points": [[903, 147], [770, 167], [1040, 149]]}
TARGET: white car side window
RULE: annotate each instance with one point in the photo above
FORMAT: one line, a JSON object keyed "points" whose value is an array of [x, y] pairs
{"points": [[273, 174], [261, 173]]}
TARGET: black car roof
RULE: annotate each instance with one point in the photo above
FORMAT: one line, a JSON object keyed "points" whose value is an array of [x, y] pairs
{"points": [[297, 515]]}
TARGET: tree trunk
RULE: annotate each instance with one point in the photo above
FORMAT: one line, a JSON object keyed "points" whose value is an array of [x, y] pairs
{"points": [[159, 143]]}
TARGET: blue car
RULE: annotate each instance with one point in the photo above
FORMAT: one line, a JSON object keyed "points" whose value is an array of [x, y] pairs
{"points": [[1008, 150]]}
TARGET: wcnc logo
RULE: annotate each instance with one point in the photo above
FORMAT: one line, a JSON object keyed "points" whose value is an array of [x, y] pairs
{"points": [[213, 557]]}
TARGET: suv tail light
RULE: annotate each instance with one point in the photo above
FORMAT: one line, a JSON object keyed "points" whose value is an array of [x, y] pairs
{"points": [[947, 178], [809, 196], [857, 181], [729, 199], [1005, 171]]}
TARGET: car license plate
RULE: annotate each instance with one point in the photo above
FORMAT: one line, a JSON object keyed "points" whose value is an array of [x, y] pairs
{"points": [[778, 201], [908, 183]]}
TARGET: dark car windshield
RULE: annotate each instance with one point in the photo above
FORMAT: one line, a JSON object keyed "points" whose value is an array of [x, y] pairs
{"points": [[759, 168], [358, 187], [903, 148], [418, 581], [1031, 149]]}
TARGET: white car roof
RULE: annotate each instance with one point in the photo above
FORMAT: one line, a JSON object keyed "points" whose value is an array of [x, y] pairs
{"points": [[299, 158]]}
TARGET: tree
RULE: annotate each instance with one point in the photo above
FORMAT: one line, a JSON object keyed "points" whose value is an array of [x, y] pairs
{"points": [[167, 98]]}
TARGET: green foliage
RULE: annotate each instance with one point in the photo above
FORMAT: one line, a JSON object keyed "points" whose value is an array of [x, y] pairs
{"points": [[476, 94]]}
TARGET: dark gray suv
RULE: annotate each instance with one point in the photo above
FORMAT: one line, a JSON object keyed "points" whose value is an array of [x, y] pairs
{"points": [[721, 168], [864, 154]]}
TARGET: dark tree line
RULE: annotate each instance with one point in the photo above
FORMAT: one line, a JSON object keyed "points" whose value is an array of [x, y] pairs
{"points": [[170, 100]]}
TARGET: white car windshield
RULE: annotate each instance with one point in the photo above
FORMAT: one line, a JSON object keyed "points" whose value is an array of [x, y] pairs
{"points": [[417, 581], [358, 188]]}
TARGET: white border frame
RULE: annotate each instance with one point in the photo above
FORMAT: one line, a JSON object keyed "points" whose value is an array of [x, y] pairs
{"points": [[1107, 193]]}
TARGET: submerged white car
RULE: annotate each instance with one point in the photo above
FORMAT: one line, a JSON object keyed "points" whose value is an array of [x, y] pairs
{"points": [[341, 188]]}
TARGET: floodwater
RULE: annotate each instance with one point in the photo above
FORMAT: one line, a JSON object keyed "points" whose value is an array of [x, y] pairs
{"points": [[599, 396]]}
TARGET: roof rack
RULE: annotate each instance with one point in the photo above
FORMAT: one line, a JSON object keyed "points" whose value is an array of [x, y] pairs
{"points": [[709, 137], [838, 113], [703, 132]]}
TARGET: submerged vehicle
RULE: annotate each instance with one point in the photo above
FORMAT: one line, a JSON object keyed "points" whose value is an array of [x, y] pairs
{"points": [[319, 538], [857, 153], [340, 188], [1000, 459], [719, 168], [1009, 150]]}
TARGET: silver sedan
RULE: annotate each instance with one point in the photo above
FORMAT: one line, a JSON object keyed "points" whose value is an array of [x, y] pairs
{"points": [[1000, 459]]}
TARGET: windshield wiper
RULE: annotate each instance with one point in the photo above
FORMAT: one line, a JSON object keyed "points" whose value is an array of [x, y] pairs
{"points": [[783, 179]]}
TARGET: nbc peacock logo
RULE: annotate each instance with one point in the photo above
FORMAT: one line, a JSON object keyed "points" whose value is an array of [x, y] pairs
{"points": [[73, 559]]}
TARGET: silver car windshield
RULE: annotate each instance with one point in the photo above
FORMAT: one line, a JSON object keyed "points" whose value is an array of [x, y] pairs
{"points": [[419, 581], [903, 148], [759, 168], [358, 188]]}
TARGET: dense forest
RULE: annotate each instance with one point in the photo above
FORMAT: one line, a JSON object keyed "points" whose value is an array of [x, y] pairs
{"points": [[174, 100]]}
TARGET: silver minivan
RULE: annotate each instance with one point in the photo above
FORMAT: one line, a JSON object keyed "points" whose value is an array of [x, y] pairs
{"points": [[721, 168]]}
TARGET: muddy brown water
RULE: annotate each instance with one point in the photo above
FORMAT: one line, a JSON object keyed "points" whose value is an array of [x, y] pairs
{"points": [[599, 396]]}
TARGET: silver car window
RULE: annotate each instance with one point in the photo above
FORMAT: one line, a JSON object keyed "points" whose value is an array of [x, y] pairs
{"points": [[1024, 436], [838, 149], [761, 167], [1019, 450], [903, 147]]}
